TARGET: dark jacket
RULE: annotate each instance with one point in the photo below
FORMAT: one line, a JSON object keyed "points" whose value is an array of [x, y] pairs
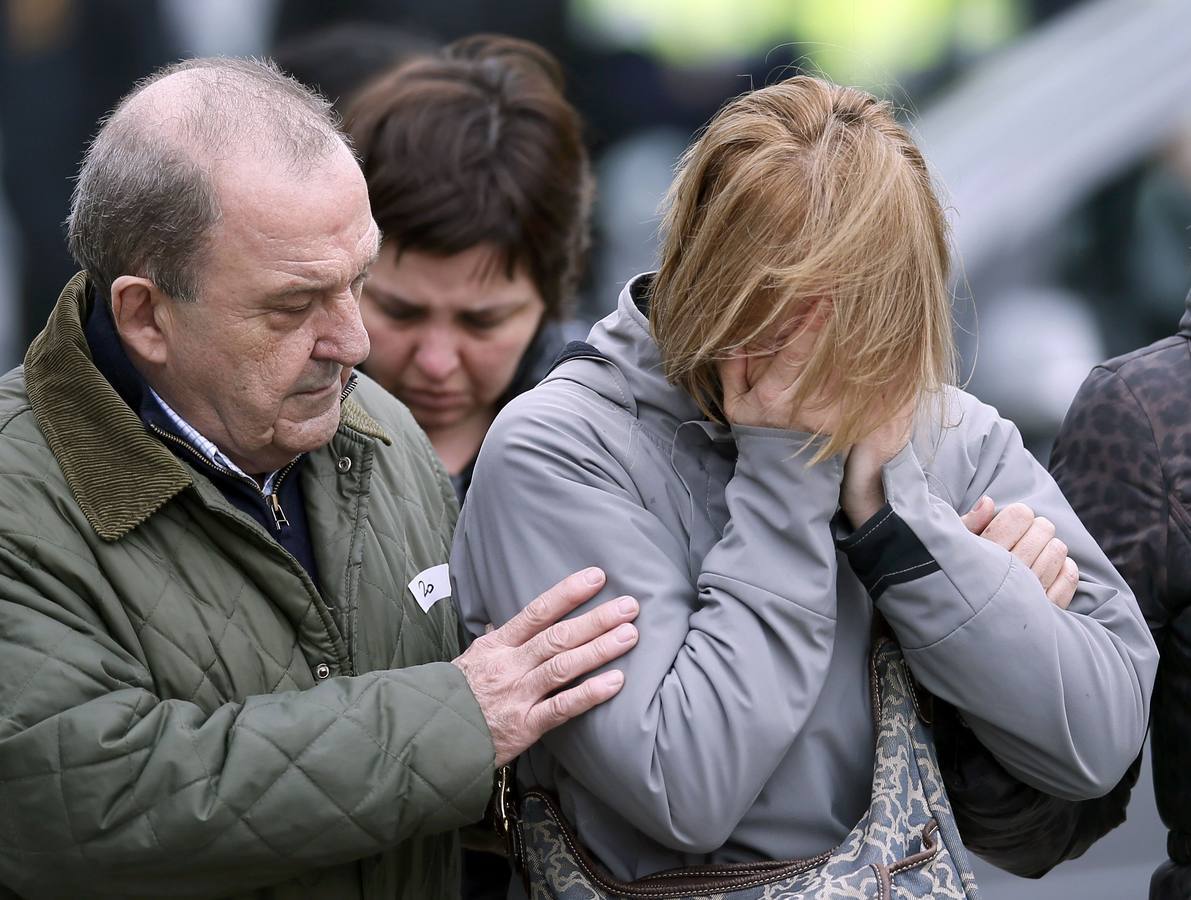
{"points": [[1123, 458], [535, 365], [182, 711]]}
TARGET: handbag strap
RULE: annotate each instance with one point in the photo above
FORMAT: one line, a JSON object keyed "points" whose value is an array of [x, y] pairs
{"points": [[505, 801], [923, 700]]}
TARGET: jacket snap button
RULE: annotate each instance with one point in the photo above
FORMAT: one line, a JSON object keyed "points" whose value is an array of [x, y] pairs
{"points": [[344, 464], [321, 671]]}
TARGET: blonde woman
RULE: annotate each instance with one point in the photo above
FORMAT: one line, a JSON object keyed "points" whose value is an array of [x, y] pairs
{"points": [[763, 443]]}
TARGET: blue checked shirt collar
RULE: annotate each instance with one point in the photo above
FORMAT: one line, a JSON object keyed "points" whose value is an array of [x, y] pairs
{"points": [[212, 453]]}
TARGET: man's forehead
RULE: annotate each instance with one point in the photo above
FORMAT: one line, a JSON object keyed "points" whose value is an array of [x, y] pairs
{"points": [[281, 230], [254, 177], [273, 197]]}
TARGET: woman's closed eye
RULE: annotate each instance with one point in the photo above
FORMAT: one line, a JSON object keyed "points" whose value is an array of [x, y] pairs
{"points": [[485, 320], [401, 312]]}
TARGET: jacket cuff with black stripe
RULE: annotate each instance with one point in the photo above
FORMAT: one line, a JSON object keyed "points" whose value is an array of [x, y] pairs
{"points": [[884, 551]]}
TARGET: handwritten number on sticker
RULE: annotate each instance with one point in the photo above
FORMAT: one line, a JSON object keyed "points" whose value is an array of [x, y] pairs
{"points": [[431, 585]]}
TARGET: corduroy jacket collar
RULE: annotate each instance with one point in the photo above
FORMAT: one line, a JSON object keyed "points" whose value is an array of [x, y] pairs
{"points": [[119, 473]]}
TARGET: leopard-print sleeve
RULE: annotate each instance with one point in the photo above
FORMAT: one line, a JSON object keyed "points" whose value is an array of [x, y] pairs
{"points": [[1107, 463], [1124, 460]]}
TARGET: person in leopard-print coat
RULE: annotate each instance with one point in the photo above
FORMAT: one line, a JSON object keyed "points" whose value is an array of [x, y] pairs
{"points": [[1123, 458]]}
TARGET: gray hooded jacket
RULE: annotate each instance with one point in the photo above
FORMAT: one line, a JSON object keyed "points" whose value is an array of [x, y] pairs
{"points": [[744, 729]]}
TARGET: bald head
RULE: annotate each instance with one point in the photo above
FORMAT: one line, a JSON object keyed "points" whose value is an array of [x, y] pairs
{"points": [[148, 192]]}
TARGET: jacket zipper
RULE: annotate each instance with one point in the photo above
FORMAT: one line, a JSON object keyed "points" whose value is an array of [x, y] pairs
{"points": [[279, 517], [274, 503], [270, 499]]}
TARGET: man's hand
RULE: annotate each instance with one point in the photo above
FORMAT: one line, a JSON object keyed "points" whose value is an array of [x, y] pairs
{"points": [[517, 670], [1032, 540]]}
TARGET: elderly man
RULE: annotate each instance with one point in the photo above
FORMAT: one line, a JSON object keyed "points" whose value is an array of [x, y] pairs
{"points": [[226, 641]]}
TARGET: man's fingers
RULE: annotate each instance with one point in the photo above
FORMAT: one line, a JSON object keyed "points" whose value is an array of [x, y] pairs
{"points": [[565, 705], [979, 516], [1063, 589], [1050, 561], [1037, 536], [550, 606], [571, 633], [561, 670], [1009, 525]]}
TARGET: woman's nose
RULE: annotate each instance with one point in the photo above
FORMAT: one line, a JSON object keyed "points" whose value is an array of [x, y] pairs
{"points": [[437, 355]]}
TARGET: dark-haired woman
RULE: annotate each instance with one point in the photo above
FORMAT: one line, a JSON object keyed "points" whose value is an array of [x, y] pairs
{"points": [[480, 182]]}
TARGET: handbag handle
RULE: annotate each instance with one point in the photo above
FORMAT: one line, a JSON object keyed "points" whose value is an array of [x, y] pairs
{"points": [[504, 815]]}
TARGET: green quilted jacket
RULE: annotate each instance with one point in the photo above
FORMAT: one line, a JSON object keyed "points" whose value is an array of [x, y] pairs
{"points": [[182, 714]]}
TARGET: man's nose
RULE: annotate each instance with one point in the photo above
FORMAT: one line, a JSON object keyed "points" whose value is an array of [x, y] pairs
{"points": [[437, 354], [345, 340]]}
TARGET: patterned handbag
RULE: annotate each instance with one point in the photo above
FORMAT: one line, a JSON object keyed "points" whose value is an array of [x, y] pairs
{"points": [[905, 846]]}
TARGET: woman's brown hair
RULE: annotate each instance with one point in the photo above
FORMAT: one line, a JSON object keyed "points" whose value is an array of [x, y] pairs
{"points": [[794, 194], [477, 144]]}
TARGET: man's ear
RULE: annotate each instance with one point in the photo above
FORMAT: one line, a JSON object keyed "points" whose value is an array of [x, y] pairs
{"points": [[140, 309]]}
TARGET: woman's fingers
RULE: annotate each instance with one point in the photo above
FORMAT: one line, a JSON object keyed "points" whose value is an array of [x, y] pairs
{"points": [[1063, 590], [980, 516], [1049, 562], [1031, 539], [1037, 536], [786, 364], [1009, 525], [754, 394], [734, 379]]}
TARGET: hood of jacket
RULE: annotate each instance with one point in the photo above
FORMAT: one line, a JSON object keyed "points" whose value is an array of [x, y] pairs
{"points": [[630, 373]]}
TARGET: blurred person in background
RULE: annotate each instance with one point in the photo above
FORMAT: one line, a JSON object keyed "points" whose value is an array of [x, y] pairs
{"points": [[791, 357], [479, 180], [1123, 458], [58, 74], [337, 61]]}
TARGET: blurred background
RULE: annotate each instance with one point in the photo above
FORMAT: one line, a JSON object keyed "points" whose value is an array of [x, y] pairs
{"points": [[1059, 132]]}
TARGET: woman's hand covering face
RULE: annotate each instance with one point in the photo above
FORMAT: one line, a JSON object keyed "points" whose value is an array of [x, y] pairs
{"points": [[759, 389]]}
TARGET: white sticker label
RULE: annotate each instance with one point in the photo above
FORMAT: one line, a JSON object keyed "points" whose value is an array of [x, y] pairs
{"points": [[430, 586]]}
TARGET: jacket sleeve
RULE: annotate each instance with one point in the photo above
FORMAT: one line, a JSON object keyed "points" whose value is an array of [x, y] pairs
{"points": [[1007, 822], [1109, 461], [697, 729], [106, 789], [1060, 697]]}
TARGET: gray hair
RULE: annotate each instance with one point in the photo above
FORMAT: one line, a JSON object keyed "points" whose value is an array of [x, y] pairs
{"points": [[145, 200]]}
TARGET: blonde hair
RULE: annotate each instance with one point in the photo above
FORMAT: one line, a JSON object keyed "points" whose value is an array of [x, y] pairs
{"points": [[799, 192]]}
